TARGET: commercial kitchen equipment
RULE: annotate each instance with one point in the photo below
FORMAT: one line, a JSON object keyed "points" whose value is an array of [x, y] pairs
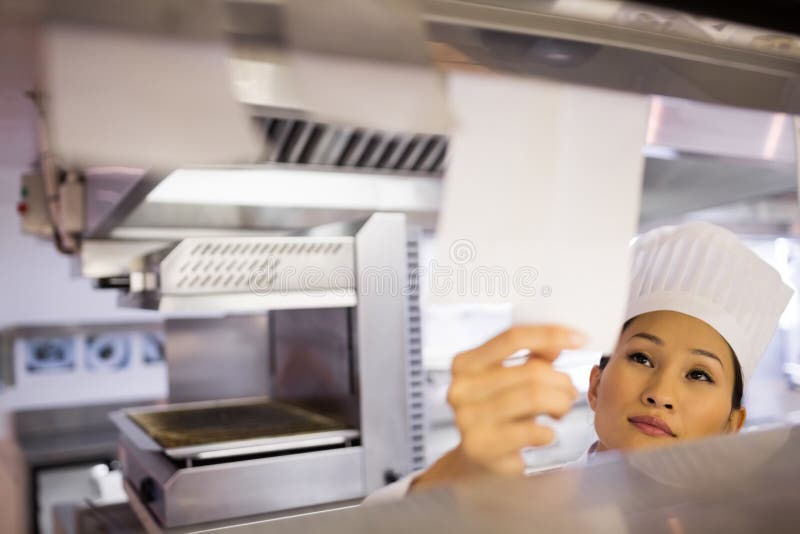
{"points": [[316, 402], [736, 483], [156, 233], [719, 132]]}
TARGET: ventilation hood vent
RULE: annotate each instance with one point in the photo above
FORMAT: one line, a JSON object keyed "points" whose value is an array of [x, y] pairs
{"points": [[720, 131], [305, 142]]}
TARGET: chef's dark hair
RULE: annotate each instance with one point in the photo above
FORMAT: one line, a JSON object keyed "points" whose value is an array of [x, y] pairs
{"points": [[738, 382]]}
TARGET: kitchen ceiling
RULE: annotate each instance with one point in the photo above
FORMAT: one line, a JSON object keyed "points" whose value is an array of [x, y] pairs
{"points": [[700, 154]]}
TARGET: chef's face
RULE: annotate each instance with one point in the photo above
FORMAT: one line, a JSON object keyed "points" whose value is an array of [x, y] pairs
{"points": [[670, 378]]}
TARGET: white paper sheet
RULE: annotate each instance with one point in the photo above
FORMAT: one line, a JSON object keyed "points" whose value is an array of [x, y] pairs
{"points": [[120, 98], [542, 198]]}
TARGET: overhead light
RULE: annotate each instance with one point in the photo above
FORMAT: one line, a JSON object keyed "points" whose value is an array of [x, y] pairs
{"points": [[660, 152], [774, 135], [654, 121], [290, 188]]}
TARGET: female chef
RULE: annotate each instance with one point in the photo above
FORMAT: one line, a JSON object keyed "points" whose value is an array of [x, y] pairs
{"points": [[701, 309]]}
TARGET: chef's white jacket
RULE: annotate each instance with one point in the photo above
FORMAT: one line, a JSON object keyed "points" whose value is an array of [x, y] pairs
{"points": [[397, 490]]}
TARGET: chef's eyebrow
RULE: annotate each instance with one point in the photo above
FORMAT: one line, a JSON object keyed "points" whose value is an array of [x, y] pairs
{"points": [[660, 342], [649, 337], [702, 352]]}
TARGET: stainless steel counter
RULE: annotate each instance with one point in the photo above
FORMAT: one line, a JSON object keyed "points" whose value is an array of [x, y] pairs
{"points": [[78, 518], [49, 440], [740, 483], [66, 435]]}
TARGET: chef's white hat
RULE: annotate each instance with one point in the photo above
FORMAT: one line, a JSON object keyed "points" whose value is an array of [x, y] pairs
{"points": [[704, 271]]}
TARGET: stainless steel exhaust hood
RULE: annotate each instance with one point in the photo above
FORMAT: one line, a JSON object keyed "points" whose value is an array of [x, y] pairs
{"points": [[720, 133], [698, 156]]}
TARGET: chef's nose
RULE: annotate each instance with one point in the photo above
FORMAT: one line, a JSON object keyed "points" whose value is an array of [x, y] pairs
{"points": [[653, 401], [657, 395]]}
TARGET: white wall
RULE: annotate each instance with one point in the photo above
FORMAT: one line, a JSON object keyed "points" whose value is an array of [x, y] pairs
{"points": [[35, 282], [36, 288]]}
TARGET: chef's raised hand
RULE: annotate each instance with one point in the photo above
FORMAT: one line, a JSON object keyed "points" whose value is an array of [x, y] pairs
{"points": [[495, 406]]}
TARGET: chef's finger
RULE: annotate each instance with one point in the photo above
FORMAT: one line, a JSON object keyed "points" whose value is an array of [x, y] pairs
{"points": [[487, 444], [468, 388], [522, 401], [546, 341]]}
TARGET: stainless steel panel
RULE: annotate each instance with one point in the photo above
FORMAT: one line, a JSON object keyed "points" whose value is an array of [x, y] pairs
{"points": [[676, 187], [389, 31], [382, 347], [295, 444], [67, 434], [261, 486], [238, 489], [725, 133], [736, 484], [7, 375], [105, 189], [182, 18], [106, 258], [177, 221], [244, 302], [217, 358], [249, 274], [150, 524], [535, 38], [311, 355], [416, 421], [199, 266]]}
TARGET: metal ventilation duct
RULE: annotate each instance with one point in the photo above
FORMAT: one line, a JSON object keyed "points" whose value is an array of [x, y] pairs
{"points": [[705, 149], [306, 142]]}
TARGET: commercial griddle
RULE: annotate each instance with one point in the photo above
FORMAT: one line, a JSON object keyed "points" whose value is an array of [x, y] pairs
{"points": [[224, 429]]}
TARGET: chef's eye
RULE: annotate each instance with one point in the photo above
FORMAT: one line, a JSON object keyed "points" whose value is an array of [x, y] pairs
{"points": [[642, 358], [700, 375]]}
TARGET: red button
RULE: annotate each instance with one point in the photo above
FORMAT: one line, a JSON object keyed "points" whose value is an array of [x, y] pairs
{"points": [[22, 208]]}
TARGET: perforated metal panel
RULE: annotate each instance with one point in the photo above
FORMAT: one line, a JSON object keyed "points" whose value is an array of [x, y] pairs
{"points": [[416, 377], [199, 266]]}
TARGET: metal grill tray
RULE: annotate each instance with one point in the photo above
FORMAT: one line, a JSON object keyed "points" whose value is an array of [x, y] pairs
{"points": [[219, 429]]}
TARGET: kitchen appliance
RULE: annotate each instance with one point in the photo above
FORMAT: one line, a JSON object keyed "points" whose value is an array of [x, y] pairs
{"points": [[314, 403]]}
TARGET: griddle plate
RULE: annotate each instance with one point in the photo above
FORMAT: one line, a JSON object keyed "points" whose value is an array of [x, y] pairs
{"points": [[203, 426]]}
